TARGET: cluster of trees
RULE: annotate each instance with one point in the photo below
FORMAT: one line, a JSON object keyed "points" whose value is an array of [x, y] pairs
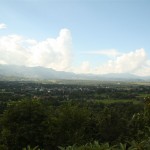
{"points": [[40, 123]]}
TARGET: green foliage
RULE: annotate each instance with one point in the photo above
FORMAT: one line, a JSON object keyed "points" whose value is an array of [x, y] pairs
{"points": [[3, 147], [90, 146], [36, 122], [29, 148], [68, 125], [143, 145], [23, 123]]}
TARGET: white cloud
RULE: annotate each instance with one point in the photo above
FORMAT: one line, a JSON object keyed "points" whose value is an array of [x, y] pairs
{"points": [[52, 52], [109, 52], [31, 42], [56, 53], [11, 50], [132, 62], [2, 62], [144, 70], [84, 67], [128, 62], [3, 26]]}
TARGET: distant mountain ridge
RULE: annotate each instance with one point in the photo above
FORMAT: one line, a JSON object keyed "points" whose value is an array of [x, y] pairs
{"points": [[42, 73]]}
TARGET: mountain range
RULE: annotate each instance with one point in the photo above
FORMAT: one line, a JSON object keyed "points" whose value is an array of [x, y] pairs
{"points": [[40, 73]]}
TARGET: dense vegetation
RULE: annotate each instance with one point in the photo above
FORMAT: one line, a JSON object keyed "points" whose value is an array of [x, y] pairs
{"points": [[53, 120]]}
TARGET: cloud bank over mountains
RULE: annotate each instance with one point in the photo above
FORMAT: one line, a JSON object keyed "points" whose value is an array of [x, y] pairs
{"points": [[57, 53], [53, 52], [135, 62], [128, 62]]}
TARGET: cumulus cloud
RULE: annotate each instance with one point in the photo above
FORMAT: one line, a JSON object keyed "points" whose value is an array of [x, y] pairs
{"points": [[128, 62], [53, 52], [132, 62], [11, 50], [107, 52], [144, 70], [3, 26], [56, 53], [85, 67]]}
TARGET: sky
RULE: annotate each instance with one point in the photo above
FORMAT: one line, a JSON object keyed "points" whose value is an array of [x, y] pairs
{"points": [[81, 36]]}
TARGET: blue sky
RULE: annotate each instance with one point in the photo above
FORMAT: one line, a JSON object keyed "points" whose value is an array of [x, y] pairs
{"points": [[83, 36]]}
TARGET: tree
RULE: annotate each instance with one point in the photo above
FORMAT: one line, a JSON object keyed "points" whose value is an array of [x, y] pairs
{"points": [[23, 123]]}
